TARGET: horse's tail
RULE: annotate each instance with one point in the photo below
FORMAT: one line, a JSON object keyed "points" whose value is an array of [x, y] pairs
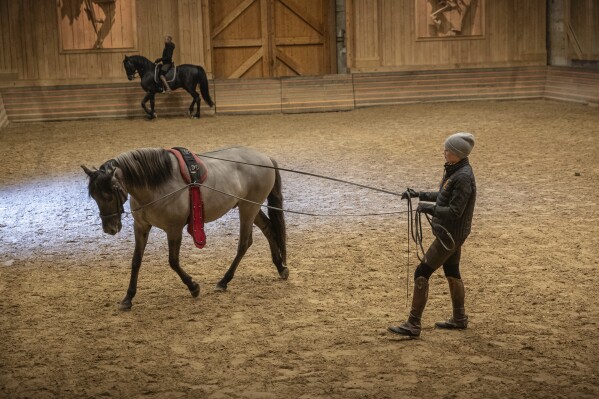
{"points": [[204, 86], [277, 217]]}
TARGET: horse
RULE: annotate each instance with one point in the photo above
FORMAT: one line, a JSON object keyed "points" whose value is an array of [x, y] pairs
{"points": [[151, 178], [187, 76]]}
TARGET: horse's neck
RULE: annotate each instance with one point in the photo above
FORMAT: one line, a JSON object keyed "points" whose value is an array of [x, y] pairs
{"points": [[143, 65]]}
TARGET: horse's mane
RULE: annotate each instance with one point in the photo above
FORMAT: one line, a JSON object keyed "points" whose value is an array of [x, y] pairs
{"points": [[145, 167], [141, 59]]}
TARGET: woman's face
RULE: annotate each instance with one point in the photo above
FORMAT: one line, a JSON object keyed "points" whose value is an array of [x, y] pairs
{"points": [[167, 39], [450, 157]]}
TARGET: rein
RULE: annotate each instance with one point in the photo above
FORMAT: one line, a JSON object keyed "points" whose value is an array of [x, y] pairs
{"points": [[415, 231], [299, 172], [265, 206]]}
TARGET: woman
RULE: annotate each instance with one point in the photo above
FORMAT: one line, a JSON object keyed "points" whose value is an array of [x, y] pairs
{"points": [[452, 214]]}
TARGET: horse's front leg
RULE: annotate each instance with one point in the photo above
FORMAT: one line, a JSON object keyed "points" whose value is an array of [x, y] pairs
{"points": [[194, 102], [141, 239], [144, 102], [247, 213], [174, 247]]}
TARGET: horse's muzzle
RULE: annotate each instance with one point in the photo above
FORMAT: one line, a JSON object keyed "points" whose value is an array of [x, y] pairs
{"points": [[130, 77], [112, 228]]}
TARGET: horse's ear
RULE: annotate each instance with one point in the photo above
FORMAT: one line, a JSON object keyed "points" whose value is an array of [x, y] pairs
{"points": [[126, 58], [87, 171]]}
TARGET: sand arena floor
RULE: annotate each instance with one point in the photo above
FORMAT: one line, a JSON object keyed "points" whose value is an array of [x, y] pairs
{"points": [[530, 265]]}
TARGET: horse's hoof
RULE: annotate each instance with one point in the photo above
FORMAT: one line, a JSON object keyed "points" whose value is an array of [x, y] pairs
{"points": [[284, 273], [154, 115], [125, 305], [195, 291], [220, 288]]}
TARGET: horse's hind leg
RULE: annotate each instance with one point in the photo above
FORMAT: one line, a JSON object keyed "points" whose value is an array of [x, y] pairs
{"points": [[263, 222], [174, 246], [247, 213]]}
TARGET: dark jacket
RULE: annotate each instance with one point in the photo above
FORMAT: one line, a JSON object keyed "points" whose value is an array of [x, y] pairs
{"points": [[167, 53], [454, 202]]}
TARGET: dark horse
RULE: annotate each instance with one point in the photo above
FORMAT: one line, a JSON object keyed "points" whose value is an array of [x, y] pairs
{"points": [[151, 178], [187, 76]]}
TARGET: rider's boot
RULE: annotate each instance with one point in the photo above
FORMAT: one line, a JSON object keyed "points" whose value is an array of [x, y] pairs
{"points": [[412, 326], [165, 83], [459, 320]]}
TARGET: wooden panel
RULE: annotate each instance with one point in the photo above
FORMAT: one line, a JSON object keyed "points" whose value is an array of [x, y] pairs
{"points": [[572, 84], [271, 38], [383, 37], [317, 94], [90, 101], [448, 85], [3, 116], [583, 30], [238, 38], [301, 37], [307, 94], [365, 19], [256, 96], [191, 33]]}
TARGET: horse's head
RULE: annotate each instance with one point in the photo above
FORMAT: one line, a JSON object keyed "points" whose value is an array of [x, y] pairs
{"points": [[106, 189], [129, 68]]}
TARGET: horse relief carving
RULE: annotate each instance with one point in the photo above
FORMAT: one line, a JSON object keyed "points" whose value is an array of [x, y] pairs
{"points": [[96, 24], [450, 18]]}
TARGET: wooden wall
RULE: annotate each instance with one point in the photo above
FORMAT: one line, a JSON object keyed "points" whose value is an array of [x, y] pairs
{"points": [[382, 37], [272, 38], [572, 84], [3, 115], [30, 42], [583, 30]]}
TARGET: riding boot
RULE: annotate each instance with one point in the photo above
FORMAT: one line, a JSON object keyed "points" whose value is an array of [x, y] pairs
{"points": [[412, 327], [460, 319], [165, 83]]}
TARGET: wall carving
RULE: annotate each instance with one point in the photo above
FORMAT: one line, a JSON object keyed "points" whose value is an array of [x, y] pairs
{"points": [[438, 19], [96, 25]]}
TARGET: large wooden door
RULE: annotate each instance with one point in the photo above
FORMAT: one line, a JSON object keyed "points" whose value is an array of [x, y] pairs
{"points": [[272, 38]]}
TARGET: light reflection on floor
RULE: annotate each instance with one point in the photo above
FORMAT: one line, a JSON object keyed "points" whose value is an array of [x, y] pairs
{"points": [[55, 217]]}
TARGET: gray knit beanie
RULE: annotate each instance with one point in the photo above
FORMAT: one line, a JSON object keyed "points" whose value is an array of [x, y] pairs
{"points": [[460, 144]]}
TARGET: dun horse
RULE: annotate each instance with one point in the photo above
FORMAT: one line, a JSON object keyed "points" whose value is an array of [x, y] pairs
{"points": [[147, 175], [187, 76]]}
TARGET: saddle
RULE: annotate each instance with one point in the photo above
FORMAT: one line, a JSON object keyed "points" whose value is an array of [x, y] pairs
{"points": [[193, 170], [170, 75]]}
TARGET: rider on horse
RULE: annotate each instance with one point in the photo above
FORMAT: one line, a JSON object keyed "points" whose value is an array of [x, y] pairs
{"points": [[166, 60]]}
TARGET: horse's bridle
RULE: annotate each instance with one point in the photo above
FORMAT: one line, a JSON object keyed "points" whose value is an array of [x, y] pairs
{"points": [[132, 76], [119, 193]]}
